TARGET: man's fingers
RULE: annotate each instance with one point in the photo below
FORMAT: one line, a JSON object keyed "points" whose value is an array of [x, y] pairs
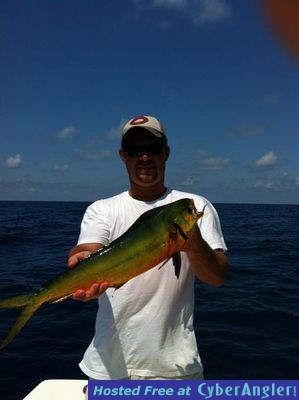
{"points": [[95, 290], [103, 287], [73, 260], [79, 294]]}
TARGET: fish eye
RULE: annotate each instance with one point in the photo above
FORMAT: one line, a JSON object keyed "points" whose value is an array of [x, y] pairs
{"points": [[190, 210]]}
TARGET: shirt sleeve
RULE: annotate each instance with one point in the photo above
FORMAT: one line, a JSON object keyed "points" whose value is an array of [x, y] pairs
{"points": [[95, 225], [210, 227]]}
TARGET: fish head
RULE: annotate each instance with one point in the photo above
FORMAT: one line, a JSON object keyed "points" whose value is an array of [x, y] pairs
{"points": [[185, 216]]}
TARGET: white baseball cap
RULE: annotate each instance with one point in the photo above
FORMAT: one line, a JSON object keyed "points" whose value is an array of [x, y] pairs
{"points": [[146, 122]]}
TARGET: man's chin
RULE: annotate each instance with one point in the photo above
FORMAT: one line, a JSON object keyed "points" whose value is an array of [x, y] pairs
{"points": [[147, 179]]}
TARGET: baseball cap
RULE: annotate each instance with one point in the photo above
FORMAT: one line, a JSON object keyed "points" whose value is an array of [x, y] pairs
{"points": [[146, 122]]}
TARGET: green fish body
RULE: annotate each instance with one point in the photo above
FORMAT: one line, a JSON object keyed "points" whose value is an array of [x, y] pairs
{"points": [[156, 236]]}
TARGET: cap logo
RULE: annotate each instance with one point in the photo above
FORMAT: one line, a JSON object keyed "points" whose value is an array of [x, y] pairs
{"points": [[139, 120]]}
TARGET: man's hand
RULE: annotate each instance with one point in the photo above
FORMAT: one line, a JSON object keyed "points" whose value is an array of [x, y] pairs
{"points": [[210, 266], [192, 242], [74, 259], [96, 289]]}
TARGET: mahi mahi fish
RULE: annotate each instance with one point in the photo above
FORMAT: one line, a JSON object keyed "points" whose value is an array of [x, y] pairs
{"points": [[156, 236]]}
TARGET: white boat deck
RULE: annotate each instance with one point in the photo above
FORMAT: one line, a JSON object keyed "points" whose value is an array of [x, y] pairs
{"points": [[58, 389]]}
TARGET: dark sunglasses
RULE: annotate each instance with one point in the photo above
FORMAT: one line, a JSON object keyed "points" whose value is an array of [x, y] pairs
{"points": [[153, 149]]}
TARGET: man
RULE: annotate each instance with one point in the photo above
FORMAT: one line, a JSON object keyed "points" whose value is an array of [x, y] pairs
{"points": [[144, 330]]}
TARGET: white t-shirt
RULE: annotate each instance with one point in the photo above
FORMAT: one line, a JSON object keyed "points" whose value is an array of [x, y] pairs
{"points": [[145, 327]]}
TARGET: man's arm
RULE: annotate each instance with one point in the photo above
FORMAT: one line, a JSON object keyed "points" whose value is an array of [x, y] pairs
{"points": [[77, 254], [210, 266]]}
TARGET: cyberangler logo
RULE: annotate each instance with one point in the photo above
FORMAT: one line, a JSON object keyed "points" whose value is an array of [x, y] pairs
{"points": [[251, 390]]}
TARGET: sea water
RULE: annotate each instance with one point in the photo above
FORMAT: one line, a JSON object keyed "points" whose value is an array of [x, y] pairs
{"points": [[247, 329]]}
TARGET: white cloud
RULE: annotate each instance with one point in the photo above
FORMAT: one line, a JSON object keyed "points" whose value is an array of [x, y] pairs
{"points": [[61, 168], [65, 133], [188, 182], [33, 189], [206, 161], [264, 184], [170, 3], [97, 155], [13, 161], [211, 11], [200, 12], [249, 131], [266, 160], [115, 133], [277, 181], [271, 98], [214, 163]]}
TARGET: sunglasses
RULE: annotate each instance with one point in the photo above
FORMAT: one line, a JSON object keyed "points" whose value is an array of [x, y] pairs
{"points": [[153, 149]]}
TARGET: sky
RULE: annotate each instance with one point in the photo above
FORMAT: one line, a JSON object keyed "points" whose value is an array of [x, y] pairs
{"points": [[214, 72]]}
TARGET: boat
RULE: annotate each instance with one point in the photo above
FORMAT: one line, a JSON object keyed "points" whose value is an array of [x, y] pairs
{"points": [[59, 389]]}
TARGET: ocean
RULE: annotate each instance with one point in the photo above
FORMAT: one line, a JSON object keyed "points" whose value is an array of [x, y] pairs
{"points": [[246, 329]]}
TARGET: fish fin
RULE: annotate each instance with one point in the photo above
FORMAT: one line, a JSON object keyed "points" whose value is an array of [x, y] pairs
{"points": [[173, 233], [177, 261], [178, 229], [16, 301], [25, 315], [164, 263], [176, 258]]}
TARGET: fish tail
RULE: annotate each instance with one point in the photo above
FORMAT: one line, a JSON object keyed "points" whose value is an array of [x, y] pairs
{"points": [[16, 301], [30, 304]]}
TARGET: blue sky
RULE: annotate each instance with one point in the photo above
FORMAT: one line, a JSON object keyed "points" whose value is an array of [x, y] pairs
{"points": [[73, 71]]}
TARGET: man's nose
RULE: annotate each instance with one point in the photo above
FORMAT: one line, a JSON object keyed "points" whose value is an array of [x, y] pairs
{"points": [[144, 156]]}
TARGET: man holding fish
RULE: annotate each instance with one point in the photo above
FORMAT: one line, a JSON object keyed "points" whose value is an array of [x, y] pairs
{"points": [[144, 328]]}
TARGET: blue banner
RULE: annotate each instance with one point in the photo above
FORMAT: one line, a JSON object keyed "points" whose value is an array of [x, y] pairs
{"points": [[193, 390]]}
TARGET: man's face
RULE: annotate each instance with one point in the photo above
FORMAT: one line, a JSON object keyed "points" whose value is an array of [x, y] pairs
{"points": [[145, 158]]}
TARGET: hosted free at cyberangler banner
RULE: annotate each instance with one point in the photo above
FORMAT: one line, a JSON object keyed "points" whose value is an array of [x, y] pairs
{"points": [[201, 390]]}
